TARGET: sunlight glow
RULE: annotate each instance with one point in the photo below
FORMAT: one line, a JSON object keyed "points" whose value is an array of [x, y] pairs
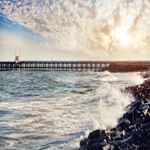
{"points": [[121, 35]]}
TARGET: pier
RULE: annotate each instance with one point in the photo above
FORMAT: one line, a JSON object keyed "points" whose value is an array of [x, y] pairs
{"points": [[97, 66]]}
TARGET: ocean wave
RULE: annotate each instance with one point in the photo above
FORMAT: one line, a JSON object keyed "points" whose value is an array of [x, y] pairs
{"points": [[58, 119]]}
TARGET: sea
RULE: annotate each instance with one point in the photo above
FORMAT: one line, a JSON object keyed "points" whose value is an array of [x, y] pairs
{"points": [[55, 110]]}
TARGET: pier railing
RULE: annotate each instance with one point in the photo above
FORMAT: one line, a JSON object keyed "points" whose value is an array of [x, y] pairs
{"points": [[114, 66]]}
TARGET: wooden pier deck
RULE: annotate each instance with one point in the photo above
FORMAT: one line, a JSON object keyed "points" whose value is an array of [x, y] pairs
{"points": [[112, 66]]}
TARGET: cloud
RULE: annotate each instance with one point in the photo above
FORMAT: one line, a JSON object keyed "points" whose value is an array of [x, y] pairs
{"points": [[85, 26]]}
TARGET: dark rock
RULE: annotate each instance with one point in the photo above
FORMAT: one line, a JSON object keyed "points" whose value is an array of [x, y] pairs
{"points": [[133, 129], [97, 135], [123, 124], [83, 143]]}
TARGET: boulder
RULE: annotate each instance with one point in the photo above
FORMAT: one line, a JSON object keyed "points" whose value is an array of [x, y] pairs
{"points": [[133, 129]]}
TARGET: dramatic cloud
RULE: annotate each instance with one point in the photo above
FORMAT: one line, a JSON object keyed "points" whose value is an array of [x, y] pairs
{"points": [[104, 27]]}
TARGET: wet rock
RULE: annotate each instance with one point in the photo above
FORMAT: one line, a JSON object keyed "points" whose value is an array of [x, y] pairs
{"points": [[83, 143], [97, 135], [123, 124], [133, 129]]}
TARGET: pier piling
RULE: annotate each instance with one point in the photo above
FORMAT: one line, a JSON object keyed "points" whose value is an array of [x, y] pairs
{"points": [[113, 66]]}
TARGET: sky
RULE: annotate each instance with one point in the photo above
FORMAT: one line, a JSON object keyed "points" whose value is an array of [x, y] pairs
{"points": [[75, 29]]}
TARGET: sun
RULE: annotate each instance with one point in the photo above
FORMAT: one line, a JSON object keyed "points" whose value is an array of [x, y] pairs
{"points": [[121, 35]]}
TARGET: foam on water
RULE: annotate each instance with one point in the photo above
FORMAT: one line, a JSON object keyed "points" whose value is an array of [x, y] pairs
{"points": [[131, 78], [68, 106], [109, 77], [111, 105]]}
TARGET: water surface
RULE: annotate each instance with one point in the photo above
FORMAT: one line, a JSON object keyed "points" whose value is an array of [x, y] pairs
{"points": [[55, 110]]}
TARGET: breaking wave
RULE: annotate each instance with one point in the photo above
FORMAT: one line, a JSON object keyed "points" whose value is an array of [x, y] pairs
{"points": [[110, 107], [109, 77], [55, 110]]}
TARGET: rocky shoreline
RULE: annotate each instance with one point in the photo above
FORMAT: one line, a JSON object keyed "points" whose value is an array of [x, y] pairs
{"points": [[133, 129]]}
